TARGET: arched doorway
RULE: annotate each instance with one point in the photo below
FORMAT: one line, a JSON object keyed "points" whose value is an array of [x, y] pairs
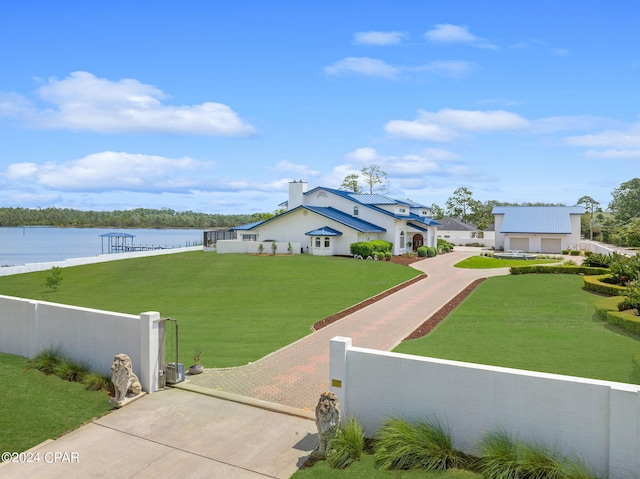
{"points": [[417, 241]]}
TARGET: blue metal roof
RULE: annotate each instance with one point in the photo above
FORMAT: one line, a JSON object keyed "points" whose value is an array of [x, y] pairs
{"points": [[345, 219], [247, 226], [324, 231], [423, 219], [537, 219], [373, 199]]}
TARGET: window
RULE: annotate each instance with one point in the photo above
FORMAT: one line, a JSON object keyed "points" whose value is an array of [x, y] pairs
{"points": [[317, 242], [355, 211], [327, 242], [249, 237], [401, 239], [402, 210]]}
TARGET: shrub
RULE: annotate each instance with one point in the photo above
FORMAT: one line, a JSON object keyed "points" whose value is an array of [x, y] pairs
{"points": [[431, 251], [348, 445], [260, 248], [575, 252], [274, 248], [70, 370], [401, 445], [388, 255], [54, 279], [97, 382], [632, 298], [503, 457], [363, 248], [422, 251], [46, 361], [598, 260], [624, 269], [379, 255], [381, 245]]}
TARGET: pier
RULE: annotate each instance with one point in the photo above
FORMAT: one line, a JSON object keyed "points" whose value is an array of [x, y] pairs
{"points": [[123, 243]]}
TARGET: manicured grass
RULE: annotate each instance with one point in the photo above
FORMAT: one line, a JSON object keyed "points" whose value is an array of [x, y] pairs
{"points": [[236, 308], [485, 262], [365, 469], [542, 322], [36, 407]]}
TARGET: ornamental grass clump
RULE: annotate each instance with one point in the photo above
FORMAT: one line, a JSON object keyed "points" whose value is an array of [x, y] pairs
{"points": [[47, 361], [503, 457], [402, 445], [348, 446]]}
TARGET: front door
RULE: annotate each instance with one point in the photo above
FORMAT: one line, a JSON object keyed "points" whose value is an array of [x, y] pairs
{"points": [[417, 241]]}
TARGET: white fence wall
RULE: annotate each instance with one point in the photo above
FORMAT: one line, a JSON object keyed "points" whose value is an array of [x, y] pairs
{"points": [[597, 420], [237, 246], [92, 336]]}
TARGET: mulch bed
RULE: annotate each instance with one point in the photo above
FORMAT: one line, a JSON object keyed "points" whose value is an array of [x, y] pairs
{"points": [[425, 327]]}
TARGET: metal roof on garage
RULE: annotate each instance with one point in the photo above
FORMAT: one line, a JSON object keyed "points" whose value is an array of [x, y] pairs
{"points": [[537, 219]]}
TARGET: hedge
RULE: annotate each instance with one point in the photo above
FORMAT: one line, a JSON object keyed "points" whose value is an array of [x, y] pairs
{"points": [[634, 377], [607, 310], [541, 268], [367, 248], [595, 284]]}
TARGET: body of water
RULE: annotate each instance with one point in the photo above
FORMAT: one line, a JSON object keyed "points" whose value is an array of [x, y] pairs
{"points": [[19, 246]]}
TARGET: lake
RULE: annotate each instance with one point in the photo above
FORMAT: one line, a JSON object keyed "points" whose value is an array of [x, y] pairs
{"points": [[19, 246]]}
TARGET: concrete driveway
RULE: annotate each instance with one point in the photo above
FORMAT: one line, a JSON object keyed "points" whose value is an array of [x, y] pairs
{"points": [[176, 433]]}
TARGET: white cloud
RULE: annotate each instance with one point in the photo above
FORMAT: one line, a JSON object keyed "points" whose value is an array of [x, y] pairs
{"points": [[110, 171], [84, 102], [614, 154], [561, 52], [363, 66], [414, 167], [450, 68], [362, 155], [300, 171], [378, 38], [448, 124], [618, 139], [448, 33]]}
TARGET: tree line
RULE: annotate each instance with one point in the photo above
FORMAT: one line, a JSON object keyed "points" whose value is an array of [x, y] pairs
{"points": [[136, 218]]}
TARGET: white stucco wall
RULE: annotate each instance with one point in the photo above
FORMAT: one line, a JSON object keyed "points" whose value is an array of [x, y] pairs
{"points": [[92, 336], [597, 420]]}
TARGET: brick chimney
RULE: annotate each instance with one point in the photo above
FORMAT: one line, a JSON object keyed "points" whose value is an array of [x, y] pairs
{"points": [[297, 189]]}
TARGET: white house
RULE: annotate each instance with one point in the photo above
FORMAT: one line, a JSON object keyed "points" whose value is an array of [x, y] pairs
{"points": [[326, 221], [456, 232], [537, 229]]}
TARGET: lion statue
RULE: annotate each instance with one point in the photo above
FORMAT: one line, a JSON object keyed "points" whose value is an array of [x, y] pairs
{"points": [[123, 378], [327, 421]]}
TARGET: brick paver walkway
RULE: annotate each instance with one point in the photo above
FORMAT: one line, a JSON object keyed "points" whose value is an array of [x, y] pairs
{"points": [[296, 374]]}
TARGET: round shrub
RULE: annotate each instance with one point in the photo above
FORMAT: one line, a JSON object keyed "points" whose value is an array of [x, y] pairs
{"points": [[388, 256], [422, 251], [431, 252]]}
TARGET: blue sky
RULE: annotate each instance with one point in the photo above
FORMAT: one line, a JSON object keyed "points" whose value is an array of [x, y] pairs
{"points": [[216, 106]]}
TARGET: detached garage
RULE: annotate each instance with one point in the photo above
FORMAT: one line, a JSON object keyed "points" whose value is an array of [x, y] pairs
{"points": [[537, 229]]}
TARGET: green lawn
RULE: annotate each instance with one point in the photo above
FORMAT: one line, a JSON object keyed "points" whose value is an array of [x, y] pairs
{"points": [[36, 407], [365, 469], [542, 322], [235, 307], [486, 262]]}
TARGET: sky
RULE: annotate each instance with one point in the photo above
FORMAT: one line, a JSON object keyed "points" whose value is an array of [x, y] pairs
{"points": [[215, 106]]}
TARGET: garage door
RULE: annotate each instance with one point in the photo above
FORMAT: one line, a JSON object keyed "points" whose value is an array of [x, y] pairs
{"points": [[551, 245], [520, 244]]}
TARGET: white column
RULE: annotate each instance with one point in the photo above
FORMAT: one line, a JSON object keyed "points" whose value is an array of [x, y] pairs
{"points": [[149, 351], [338, 348]]}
